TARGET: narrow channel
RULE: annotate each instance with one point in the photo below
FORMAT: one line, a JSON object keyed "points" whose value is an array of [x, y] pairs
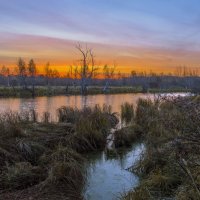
{"points": [[108, 176]]}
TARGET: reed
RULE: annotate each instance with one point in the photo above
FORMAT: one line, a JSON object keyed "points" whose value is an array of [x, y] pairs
{"points": [[171, 133]]}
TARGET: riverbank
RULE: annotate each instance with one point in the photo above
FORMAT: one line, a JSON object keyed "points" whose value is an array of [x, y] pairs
{"points": [[169, 168], [92, 90]]}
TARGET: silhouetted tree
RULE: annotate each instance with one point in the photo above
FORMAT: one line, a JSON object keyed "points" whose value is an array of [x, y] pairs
{"points": [[108, 74], [88, 68], [32, 73], [21, 72], [5, 71], [47, 73]]}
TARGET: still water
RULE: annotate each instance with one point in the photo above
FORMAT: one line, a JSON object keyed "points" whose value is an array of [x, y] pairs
{"points": [[108, 178], [51, 104]]}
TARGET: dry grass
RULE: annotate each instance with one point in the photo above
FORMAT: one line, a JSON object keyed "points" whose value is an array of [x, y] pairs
{"points": [[127, 113], [169, 166], [47, 155]]}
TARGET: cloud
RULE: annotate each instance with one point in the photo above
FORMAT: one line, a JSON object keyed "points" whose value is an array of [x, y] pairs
{"points": [[154, 32]]}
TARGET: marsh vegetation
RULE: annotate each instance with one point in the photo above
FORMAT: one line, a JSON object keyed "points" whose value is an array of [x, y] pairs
{"points": [[169, 166], [39, 157]]}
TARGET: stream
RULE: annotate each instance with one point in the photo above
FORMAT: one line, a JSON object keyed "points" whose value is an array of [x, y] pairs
{"points": [[107, 175]]}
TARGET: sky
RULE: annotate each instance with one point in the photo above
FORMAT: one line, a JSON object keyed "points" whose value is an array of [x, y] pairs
{"points": [[157, 35]]}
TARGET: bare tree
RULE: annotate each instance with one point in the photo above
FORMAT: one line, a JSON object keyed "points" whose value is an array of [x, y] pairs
{"points": [[55, 75], [88, 68], [48, 74], [32, 73], [75, 72], [70, 72], [108, 74]]}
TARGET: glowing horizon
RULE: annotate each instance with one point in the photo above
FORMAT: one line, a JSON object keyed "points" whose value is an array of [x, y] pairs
{"points": [[136, 35]]}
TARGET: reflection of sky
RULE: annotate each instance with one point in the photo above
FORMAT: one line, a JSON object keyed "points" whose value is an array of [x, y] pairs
{"points": [[141, 32], [108, 177], [51, 104]]}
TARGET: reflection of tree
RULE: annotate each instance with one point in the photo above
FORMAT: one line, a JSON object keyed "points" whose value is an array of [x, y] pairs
{"points": [[84, 101]]}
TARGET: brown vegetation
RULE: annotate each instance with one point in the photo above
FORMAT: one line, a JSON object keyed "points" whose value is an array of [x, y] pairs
{"points": [[40, 157], [169, 167]]}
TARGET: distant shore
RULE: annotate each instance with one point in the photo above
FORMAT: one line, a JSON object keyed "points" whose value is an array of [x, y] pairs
{"points": [[71, 90]]}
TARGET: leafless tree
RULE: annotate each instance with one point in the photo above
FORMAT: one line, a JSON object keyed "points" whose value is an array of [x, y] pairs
{"points": [[88, 68], [109, 73], [47, 73]]}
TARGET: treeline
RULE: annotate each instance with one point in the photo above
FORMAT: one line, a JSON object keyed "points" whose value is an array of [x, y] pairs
{"points": [[87, 73]]}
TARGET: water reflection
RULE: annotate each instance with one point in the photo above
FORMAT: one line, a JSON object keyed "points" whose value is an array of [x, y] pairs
{"points": [[50, 104], [108, 177]]}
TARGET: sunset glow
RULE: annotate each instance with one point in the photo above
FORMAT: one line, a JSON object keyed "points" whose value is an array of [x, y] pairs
{"points": [[138, 35]]}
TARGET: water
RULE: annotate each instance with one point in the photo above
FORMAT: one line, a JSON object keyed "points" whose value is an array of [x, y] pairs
{"points": [[108, 177], [50, 104]]}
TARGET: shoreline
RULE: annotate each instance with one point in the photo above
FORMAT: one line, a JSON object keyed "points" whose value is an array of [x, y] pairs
{"points": [[8, 92]]}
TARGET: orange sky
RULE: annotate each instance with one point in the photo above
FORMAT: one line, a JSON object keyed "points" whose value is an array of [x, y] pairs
{"points": [[62, 53]]}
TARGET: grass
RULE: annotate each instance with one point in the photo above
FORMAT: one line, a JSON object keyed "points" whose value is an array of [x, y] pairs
{"points": [[91, 125], [91, 90], [125, 137], [169, 166], [127, 112]]}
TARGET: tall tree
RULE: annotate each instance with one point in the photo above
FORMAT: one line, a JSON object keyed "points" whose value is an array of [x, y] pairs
{"points": [[32, 73], [48, 73], [55, 75], [5, 71], [21, 72], [108, 74]]}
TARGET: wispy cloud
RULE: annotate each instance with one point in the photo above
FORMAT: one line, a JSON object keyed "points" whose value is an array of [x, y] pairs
{"points": [[145, 32]]}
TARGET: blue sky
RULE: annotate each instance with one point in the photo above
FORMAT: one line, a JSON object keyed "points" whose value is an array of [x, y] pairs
{"points": [[154, 33]]}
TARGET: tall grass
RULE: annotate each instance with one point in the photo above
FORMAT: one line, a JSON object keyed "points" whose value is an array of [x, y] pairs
{"points": [[49, 155], [92, 125], [127, 112], [171, 132]]}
